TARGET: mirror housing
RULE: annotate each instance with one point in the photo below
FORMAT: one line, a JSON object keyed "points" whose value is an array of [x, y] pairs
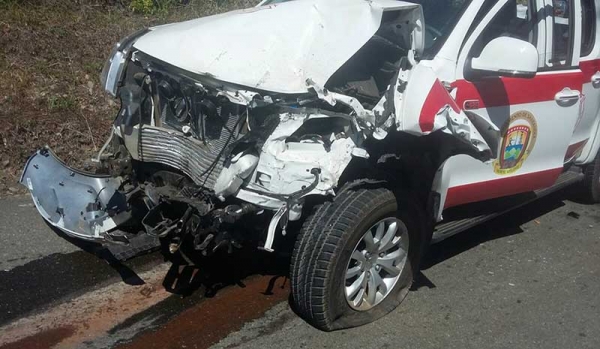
{"points": [[504, 56]]}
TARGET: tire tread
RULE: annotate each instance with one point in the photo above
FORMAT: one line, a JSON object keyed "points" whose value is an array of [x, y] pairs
{"points": [[319, 241]]}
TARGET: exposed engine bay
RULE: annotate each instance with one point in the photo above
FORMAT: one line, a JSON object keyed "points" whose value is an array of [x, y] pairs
{"points": [[193, 159]]}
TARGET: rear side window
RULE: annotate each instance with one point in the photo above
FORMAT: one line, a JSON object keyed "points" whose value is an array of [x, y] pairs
{"points": [[588, 32]]}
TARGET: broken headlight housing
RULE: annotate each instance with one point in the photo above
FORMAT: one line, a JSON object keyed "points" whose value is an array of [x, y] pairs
{"points": [[114, 67]]}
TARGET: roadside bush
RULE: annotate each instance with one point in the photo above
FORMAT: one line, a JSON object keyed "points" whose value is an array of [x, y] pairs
{"points": [[153, 6]]}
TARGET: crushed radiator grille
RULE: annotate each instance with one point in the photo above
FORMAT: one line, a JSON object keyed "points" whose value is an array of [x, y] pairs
{"points": [[201, 162]]}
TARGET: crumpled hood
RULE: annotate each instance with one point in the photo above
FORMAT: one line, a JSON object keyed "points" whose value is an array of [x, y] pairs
{"points": [[274, 47]]}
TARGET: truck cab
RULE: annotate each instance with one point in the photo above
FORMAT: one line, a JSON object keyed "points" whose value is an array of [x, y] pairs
{"points": [[556, 109]]}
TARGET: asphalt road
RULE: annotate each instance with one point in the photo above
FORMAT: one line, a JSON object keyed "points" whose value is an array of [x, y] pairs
{"points": [[529, 279], [24, 236]]}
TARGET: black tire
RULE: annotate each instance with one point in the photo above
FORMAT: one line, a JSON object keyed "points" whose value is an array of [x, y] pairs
{"points": [[590, 186], [325, 243]]}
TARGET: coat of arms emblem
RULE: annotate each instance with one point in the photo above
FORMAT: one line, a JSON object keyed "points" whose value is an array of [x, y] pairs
{"points": [[520, 133]]}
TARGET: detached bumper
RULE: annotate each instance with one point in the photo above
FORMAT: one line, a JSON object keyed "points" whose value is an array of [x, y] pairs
{"points": [[82, 205]]}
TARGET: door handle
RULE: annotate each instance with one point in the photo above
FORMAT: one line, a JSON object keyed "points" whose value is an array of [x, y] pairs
{"points": [[567, 97], [596, 80]]}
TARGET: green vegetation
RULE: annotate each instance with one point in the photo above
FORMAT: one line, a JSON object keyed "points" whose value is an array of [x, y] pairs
{"points": [[52, 52], [151, 6], [61, 103]]}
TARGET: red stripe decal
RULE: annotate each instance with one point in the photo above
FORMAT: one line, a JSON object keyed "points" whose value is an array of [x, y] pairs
{"points": [[589, 68], [511, 91], [437, 98], [496, 188], [574, 148]]}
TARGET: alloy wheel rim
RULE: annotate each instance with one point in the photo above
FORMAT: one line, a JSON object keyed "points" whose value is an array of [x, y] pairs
{"points": [[376, 264]]}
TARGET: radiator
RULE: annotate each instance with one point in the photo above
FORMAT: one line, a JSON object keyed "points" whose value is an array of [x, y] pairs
{"points": [[201, 162]]}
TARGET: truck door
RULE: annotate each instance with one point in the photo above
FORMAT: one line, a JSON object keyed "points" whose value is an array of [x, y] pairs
{"points": [[536, 116], [584, 143]]}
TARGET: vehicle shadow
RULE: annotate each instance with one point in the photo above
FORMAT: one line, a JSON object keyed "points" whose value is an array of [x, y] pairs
{"points": [[127, 274], [502, 226], [211, 274], [187, 275]]}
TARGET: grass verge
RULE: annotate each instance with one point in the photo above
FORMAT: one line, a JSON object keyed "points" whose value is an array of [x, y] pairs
{"points": [[51, 57]]}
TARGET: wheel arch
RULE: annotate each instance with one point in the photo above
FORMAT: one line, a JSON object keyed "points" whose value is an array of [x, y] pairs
{"points": [[410, 164]]}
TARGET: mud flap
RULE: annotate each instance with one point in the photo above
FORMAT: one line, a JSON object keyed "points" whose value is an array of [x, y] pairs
{"points": [[82, 205]]}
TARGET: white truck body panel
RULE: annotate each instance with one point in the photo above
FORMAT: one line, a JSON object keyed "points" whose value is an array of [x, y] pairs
{"points": [[561, 130], [273, 47]]}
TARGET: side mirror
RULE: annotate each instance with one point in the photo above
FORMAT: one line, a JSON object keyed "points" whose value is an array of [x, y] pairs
{"points": [[505, 56]]}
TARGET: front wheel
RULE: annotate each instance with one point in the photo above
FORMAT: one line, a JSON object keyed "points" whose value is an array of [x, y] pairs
{"points": [[355, 257]]}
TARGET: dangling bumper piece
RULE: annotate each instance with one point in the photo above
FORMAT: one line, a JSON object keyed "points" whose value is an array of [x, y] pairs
{"points": [[82, 205]]}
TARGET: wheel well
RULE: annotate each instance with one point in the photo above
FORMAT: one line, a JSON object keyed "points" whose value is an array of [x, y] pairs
{"points": [[406, 162], [403, 161]]}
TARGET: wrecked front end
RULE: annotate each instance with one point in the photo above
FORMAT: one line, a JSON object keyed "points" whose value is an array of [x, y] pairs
{"points": [[212, 159], [187, 162], [191, 163]]}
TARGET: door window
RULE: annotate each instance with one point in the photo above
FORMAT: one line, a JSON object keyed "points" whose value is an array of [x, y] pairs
{"points": [[588, 33], [562, 33], [517, 19]]}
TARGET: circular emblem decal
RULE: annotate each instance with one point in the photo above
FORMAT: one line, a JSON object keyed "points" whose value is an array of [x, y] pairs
{"points": [[520, 133]]}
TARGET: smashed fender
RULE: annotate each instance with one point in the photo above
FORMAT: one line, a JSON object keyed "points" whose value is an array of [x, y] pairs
{"points": [[422, 105]]}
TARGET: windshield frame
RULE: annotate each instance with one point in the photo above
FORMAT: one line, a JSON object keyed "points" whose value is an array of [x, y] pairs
{"points": [[431, 51]]}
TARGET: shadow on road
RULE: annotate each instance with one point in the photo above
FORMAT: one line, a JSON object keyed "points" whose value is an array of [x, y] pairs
{"points": [[221, 270], [128, 276], [211, 274], [41, 282], [505, 225]]}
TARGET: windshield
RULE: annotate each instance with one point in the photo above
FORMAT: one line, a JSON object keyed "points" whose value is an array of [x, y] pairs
{"points": [[440, 18]]}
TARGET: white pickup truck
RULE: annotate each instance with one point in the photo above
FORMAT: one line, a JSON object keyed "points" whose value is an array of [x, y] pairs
{"points": [[378, 126]]}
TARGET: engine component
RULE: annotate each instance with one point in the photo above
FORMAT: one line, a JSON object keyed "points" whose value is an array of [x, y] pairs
{"points": [[233, 175], [192, 130], [207, 233]]}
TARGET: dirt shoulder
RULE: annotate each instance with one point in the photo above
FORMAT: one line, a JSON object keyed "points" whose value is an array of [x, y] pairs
{"points": [[51, 57]]}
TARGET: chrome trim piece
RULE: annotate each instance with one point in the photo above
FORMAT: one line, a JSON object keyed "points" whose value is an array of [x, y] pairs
{"points": [[114, 68]]}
